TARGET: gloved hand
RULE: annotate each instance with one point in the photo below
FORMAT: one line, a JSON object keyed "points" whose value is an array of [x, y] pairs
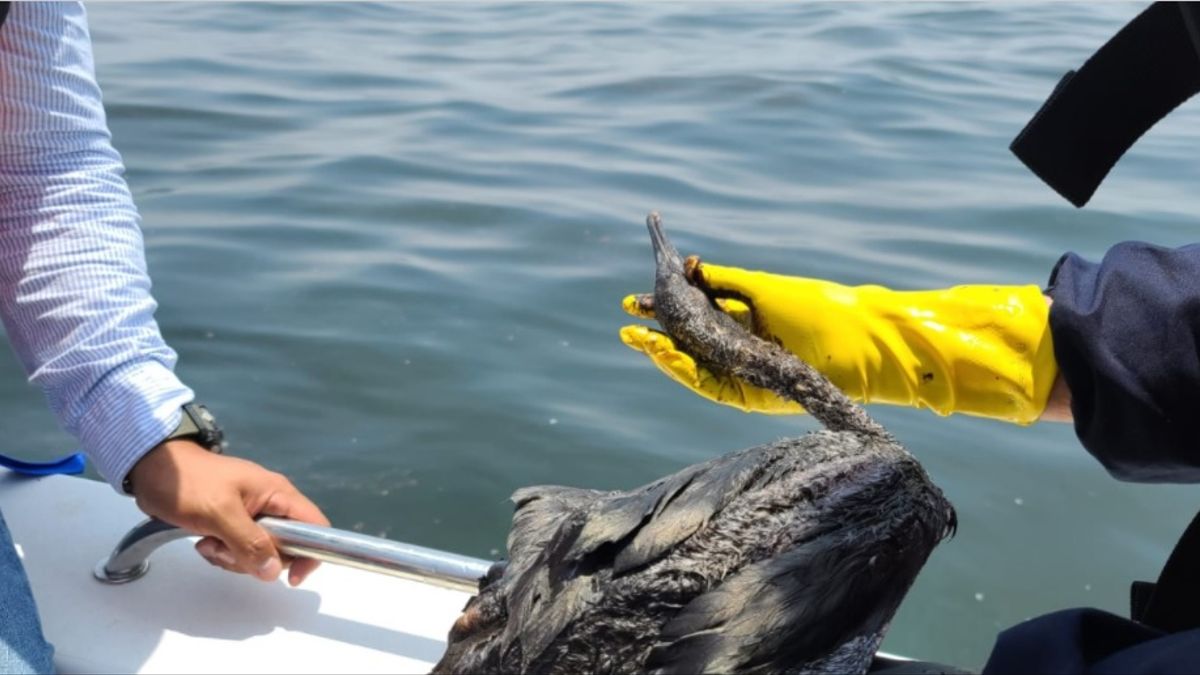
{"points": [[979, 350]]}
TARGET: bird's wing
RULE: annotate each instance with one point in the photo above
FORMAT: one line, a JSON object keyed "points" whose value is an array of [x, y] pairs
{"points": [[540, 509], [479, 637], [542, 597], [793, 608], [561, 537], [646, 523]]}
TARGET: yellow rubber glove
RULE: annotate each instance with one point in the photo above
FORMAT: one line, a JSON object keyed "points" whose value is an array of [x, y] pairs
{"points": [[979, 350]]}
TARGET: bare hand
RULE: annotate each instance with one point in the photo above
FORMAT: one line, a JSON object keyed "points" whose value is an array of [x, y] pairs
{"points": [[218, 496]]}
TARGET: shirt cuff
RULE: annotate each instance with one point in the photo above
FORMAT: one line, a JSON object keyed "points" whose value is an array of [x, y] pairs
{"points": [[129, 412]]}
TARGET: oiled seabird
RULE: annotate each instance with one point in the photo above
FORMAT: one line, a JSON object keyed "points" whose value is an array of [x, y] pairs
{"points": [[787, 557]]}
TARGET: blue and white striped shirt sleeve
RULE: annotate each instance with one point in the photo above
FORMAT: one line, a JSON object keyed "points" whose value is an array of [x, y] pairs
{"points": [[74, 292]]}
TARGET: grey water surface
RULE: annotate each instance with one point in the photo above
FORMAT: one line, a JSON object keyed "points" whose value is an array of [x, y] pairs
{"points": [[390, 243]]}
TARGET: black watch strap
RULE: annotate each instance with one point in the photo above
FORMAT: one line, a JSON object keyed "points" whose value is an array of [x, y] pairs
{"points": [[196, 424]]}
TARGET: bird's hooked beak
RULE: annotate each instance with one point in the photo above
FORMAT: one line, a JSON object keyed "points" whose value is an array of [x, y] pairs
{"points": [[667, 259]]}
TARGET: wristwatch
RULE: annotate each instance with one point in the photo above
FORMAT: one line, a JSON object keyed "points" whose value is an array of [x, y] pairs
{"points": [[196, 424]]}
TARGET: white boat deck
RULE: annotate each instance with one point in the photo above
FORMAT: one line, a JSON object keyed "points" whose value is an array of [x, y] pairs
{"points": [[185, 616]]}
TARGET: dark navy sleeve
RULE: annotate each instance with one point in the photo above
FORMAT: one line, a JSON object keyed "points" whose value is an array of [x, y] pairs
{"points": [[1092, 642], [1127, 339]]}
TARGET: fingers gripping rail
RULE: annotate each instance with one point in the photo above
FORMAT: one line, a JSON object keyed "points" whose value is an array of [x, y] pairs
{"points": [[130, 560]]}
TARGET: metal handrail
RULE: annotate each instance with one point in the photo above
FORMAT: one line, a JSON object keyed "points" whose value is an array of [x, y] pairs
{"points": [[130, 559]]}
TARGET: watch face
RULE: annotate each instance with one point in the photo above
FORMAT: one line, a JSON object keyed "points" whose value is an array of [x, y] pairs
{"points": [[206, 416], [208, 433]]}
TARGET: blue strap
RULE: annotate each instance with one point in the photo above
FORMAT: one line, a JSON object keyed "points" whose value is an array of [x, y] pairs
{"points": [[71, 464]]}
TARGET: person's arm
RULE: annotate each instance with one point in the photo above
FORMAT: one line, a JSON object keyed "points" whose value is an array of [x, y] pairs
{"points": [[74, 291], [76, 303], [1117, 352], [1058, 407], [1127, 339], [977, 350]]}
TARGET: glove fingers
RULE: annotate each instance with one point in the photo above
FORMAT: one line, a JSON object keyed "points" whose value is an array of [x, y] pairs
{"points": [[739, 310], [640, 305], [723, 280], [660, 348], [677, 365]]}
